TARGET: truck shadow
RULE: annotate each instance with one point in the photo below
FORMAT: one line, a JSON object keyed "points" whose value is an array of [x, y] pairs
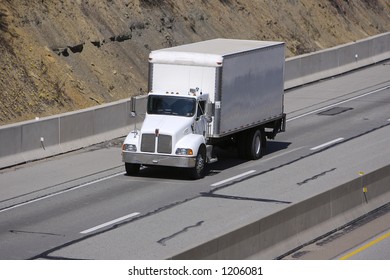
{"points": [[276, 146], [163, 172], [227, 158]]}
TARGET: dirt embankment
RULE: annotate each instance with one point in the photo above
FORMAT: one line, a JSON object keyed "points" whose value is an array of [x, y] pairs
{"points": [[63, 55]]}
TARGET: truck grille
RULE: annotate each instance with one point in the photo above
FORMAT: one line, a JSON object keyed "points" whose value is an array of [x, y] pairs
{"points": [[148, 142], [164, 144]]}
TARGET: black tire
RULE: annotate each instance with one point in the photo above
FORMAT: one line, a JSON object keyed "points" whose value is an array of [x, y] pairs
{"points": [[199, 171], [132, 168], [256, 143]]}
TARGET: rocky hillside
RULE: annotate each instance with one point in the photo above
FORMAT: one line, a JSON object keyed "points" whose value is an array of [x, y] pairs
{"points": [[62, 55]]}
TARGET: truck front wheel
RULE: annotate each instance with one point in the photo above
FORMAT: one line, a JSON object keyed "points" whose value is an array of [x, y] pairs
{"points": [[132, 168], [198, 171]]}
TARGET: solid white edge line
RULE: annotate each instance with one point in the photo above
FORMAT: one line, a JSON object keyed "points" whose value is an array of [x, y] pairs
{"points": [[110, 223], [327, 144], [233, 178], [61, 192], [336, 104]]}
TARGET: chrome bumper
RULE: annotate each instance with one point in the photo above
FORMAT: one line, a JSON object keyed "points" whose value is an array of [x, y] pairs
{"points": [[155, 159]]}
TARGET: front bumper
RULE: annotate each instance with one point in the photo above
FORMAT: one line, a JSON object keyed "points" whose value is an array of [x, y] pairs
{"points": [[158, 160]]}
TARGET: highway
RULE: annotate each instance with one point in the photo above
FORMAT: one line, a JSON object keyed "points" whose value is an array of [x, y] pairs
{"points": [[81, 205]]}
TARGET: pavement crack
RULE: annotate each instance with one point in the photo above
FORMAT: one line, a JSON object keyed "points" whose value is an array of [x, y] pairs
{"points": [[315, 177], [36, 232], [162, 241], [209, 194]]}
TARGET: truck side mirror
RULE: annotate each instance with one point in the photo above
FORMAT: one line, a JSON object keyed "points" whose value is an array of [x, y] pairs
{"points": [[209, 112], [132, 109]]}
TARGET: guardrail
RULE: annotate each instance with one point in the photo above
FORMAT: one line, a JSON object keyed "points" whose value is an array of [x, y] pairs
{"points": [[37, 139]]}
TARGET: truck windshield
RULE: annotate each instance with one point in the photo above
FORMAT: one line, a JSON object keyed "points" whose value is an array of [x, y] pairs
{"points": [[171, 105]]}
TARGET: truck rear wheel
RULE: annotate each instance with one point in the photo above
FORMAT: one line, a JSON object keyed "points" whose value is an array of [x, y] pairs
{"points": [[199, 170], [256, 143], [132, 168]]}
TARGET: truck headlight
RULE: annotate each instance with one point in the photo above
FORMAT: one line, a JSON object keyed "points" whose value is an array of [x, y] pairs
{"points": [[184, 152], [129, 148]]}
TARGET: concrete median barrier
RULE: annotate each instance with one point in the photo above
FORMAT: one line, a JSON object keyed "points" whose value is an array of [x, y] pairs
{"points": [[327, 63], [46, 137], [40, 139], [11, 147], [291, 227]]}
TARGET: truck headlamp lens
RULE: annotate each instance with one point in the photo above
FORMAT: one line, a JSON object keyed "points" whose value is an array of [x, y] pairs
{"points": [[184, 152], [129, 148]]}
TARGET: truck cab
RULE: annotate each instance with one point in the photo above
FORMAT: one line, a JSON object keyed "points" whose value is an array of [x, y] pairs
{"points": [[173, 133]]}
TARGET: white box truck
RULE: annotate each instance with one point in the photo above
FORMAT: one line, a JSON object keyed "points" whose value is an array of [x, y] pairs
{"points": [[206, 94]]}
